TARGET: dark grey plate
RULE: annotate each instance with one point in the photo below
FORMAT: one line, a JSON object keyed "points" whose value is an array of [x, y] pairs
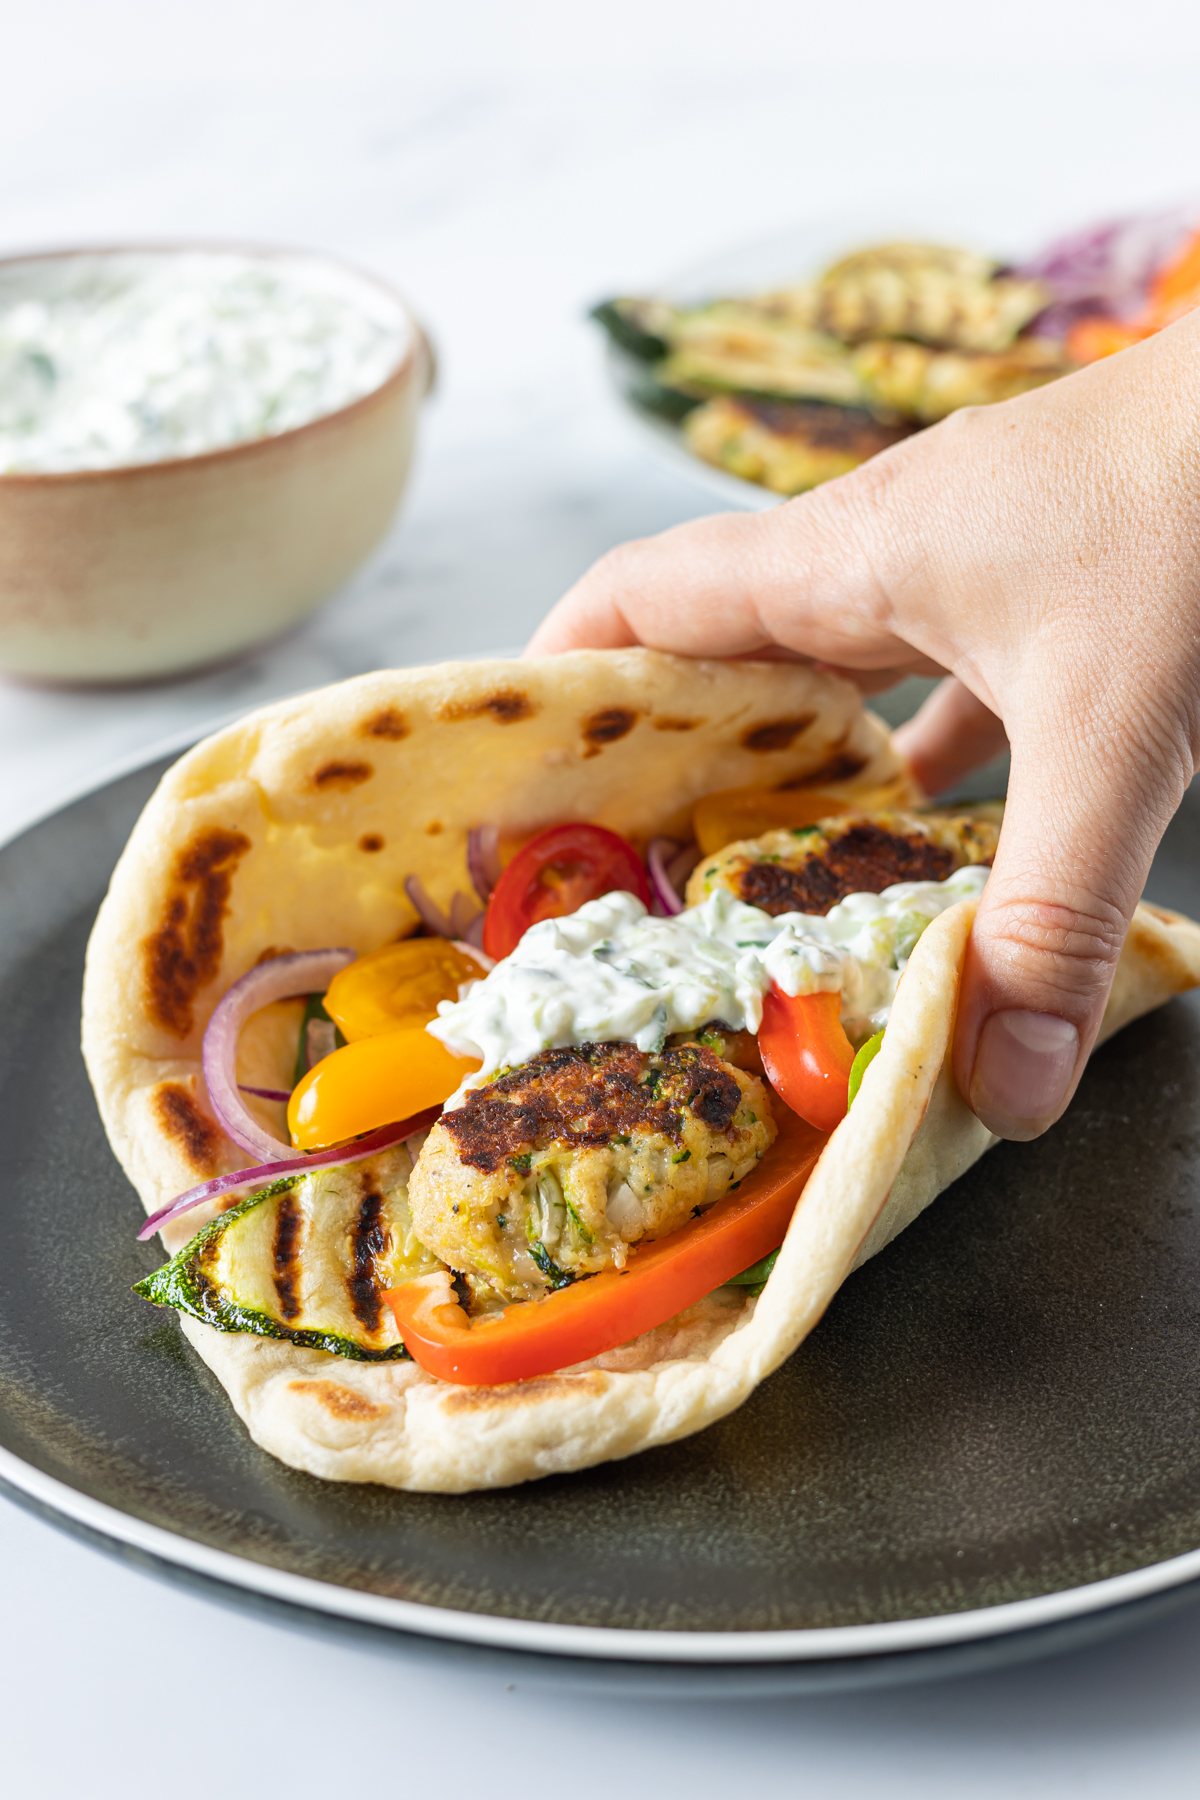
{"points": [[989, 1446]]}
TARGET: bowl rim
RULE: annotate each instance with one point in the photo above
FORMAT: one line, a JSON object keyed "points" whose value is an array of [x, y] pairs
{"points": [[418, 350]]}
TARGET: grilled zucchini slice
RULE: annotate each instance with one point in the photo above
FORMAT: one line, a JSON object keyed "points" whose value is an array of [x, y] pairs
{"points": [[308, 1260], [662, 402], [635, 326]]}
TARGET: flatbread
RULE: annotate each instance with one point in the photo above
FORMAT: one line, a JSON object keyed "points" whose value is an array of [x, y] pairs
{"points": [[297, 828]]}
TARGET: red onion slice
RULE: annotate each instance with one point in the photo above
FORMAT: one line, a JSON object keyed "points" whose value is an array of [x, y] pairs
{"points": [[265, 1173], [483, 859], [282, 978], [681, 865], [431, 915], [463, 914], [265, 1093], [658, 852]]}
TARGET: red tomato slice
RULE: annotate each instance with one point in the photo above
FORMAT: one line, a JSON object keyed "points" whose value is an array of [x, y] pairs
{"points": [[554, 874], [807, 1055]]}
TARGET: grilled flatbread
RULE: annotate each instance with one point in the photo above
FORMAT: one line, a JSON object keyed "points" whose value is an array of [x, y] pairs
{"points": [[297, 828]]}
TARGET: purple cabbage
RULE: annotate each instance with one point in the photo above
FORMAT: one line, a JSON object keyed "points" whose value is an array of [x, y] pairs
{"points": [[1106, 269]]}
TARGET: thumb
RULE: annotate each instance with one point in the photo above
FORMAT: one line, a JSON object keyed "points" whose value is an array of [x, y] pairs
{"points": [[1080, 828]]}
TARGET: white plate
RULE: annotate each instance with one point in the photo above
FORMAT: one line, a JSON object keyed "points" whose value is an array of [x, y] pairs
{"points": [[787, 257]]}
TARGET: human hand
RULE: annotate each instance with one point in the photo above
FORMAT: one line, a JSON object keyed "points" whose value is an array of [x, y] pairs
{"points": [[1045, 554]]}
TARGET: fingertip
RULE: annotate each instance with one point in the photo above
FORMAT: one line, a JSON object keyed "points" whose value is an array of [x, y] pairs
{"points": [[1023, 1072], [574, 624]]}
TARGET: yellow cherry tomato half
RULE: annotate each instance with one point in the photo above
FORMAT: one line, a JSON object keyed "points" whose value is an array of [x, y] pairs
{"points": [[399, 985], [736, 813], [371, 1083]]}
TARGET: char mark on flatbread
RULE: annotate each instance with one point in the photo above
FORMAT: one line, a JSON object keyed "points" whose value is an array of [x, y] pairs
{"points": [[185, 1122], [777, 734], [184, 953]]}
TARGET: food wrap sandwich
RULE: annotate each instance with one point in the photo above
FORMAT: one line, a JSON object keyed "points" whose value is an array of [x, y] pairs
{"points": [[517, 1056]]}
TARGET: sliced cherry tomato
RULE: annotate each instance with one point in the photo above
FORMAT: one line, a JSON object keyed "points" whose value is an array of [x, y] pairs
{"points": [[807, 1055], [398, 985], [735, 813], [554, 874], [371, 1083], [598, 1313]]}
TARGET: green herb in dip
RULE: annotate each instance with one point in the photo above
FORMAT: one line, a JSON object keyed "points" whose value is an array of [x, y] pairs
{"points": [[610, 971], [135, 357]]}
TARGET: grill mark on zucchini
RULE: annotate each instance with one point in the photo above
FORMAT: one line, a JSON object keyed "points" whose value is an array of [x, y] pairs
{"points": [[337, 1227], [186, 1284], [369, 1240], [286, 1250]]}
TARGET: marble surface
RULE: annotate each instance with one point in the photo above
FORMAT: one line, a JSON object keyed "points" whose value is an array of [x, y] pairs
{"points": [[506, 171]]}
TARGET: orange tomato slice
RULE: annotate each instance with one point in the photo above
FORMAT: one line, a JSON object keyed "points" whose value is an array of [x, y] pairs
{"points": [[735, 813], [370, 1083], [399, 985], [807, 1055]]}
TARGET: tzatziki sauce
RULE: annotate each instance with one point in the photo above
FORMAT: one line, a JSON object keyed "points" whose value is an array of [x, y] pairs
{"points": [[611, 971], [114, 358]]}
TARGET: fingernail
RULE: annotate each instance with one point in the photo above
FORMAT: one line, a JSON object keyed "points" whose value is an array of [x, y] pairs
{"points": [[1023, 1070]]}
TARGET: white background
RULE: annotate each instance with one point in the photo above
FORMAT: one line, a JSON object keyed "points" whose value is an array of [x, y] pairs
{"points": [[507, 164]]}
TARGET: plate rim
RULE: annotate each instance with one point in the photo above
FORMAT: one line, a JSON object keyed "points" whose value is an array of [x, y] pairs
{"points": [[665, 441], [603, 1643], [500, 1631]]}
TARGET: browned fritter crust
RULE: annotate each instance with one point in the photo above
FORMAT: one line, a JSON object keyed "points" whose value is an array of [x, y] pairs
{"points": [[811, 869], [864, 860], [789, 446], [555, 1169], [849, 429], [589, 1095]]}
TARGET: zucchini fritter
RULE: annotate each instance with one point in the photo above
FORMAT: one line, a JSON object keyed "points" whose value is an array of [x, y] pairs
{"points": [[554, 1169], [810, 869], [788, 447]]}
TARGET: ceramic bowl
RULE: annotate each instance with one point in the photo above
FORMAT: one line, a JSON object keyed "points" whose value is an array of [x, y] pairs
{"points": [[150, 569]]}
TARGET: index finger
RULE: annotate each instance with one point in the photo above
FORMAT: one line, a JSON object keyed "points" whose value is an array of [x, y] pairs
{"points": [[798, 580], [689, 590]]}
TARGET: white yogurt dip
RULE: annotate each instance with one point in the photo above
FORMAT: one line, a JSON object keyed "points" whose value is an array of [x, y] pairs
{"points": [[115, 358], [610, 971]]}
